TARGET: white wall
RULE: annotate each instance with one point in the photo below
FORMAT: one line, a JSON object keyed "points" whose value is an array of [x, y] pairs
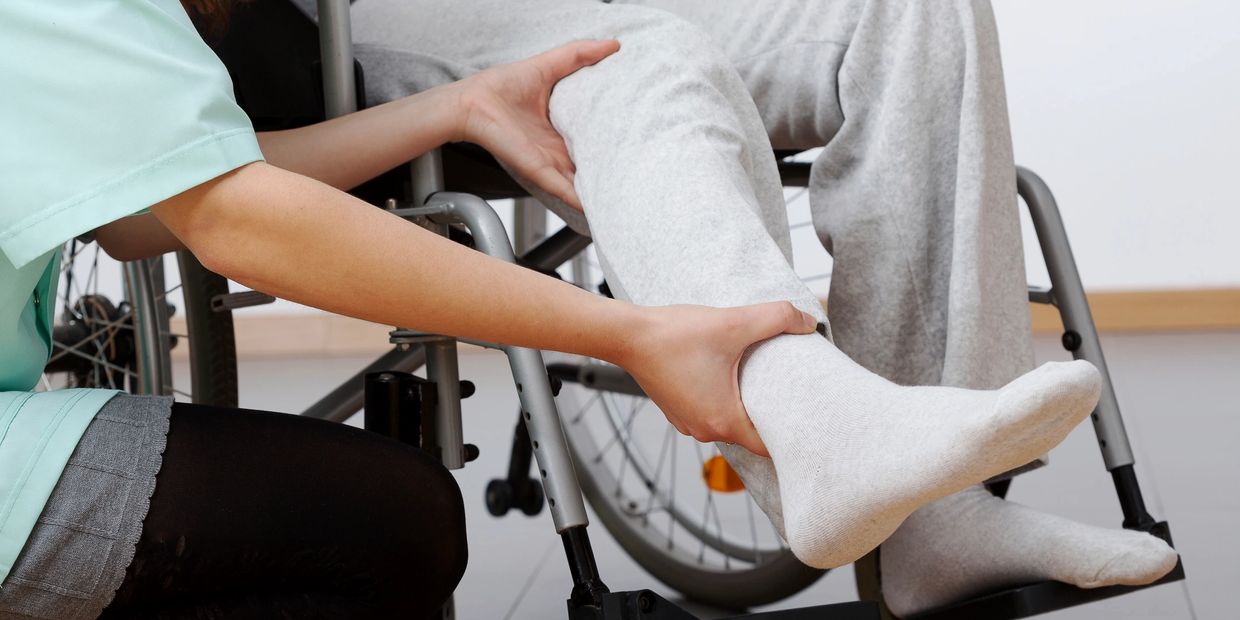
{"points": [[1130, 109]]}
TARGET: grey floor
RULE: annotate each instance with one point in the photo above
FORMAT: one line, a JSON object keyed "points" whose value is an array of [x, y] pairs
{"points": [[1177, 398]]}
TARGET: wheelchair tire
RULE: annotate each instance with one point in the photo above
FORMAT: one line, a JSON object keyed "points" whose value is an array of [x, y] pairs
{"points": [[722, 580], [213, 364]]}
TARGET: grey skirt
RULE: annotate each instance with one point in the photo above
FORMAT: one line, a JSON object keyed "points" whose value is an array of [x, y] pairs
{"points": [[77, 554]]}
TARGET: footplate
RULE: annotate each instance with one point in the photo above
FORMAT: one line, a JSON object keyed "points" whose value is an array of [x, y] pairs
{"points": [[1043, 597], [646, 605]]}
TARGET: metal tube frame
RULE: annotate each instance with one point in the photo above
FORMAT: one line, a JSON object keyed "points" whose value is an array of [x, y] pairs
{"points": [[538, 408], [336, 53], [1080, 337], [442, 369], [1068, 295]]}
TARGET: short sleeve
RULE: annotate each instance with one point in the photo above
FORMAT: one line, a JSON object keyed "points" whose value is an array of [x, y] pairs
{"points": [[109, 107]]}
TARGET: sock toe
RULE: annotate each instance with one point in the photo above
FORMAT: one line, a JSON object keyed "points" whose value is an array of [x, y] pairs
{"points": [[1139, 559], [1073, 385], [990, 543], [1061, 393]]}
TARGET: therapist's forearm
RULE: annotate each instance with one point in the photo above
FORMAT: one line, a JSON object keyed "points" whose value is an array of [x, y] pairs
{"points": [[303, 241], [347, 151], [343, 153]]}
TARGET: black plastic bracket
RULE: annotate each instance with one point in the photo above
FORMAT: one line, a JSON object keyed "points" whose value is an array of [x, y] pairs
{"points": [[1136, 517], [399, 405]]}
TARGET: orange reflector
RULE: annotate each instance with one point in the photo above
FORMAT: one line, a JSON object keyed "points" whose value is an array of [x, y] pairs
{"points": [[720, 476]]}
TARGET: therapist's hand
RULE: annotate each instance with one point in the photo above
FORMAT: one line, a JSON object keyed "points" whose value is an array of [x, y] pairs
{"points": [[505, 111], [688, 360]]}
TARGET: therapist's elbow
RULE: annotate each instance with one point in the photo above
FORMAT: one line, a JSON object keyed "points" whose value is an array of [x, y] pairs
{"points": [[136, 237], [210, 221], [118, 245]]}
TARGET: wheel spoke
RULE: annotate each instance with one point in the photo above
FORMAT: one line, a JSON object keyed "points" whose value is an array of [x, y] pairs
{"points": [[89, 339], [671, 523], [165, 294], [658, 469], [101, 362], [582, 411], [753, 528]]}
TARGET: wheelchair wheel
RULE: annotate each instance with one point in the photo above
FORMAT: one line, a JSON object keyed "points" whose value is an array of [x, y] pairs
{"points": [[119, 326], [672, 503]]}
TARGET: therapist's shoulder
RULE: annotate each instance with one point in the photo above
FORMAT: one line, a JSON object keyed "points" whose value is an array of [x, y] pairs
{"points": [[114, 105]]}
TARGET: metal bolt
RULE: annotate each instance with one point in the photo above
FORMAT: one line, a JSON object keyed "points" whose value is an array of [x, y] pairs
{"points": [[1071, 340], [645, 602]]}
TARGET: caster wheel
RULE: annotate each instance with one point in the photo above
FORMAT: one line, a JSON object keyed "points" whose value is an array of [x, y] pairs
{"points": [[531, 502], [499, 497]]}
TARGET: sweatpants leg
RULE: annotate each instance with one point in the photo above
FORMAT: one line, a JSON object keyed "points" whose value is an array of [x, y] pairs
{"points": [[914, 193], [673, 162]]}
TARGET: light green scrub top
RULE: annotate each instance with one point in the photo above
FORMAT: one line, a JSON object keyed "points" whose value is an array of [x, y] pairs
{"points": [[106, 108]]}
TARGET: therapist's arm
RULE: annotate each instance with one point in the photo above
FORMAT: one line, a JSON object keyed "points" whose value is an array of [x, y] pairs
{"points": [[347, 151], [343, 153], [503, 109], [301, 240]]}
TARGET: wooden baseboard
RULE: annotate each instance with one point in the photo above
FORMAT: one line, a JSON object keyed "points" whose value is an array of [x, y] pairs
{"points": [[301, 335], [321, 334], [1152, 311]]}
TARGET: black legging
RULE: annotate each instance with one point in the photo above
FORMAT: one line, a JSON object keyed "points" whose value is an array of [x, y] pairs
{"points": [[266, 515]]}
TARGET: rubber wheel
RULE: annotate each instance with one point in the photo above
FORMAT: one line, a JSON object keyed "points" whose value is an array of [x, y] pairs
{"points": [[774, 579], [213, 347], [533, 499]]}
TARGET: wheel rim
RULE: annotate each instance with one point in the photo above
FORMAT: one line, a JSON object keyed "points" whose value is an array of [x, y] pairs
{"points": [[644, 481], [112, 328]]}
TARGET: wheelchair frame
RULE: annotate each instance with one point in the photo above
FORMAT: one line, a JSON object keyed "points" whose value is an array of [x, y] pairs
{"points": [[590, 598]]}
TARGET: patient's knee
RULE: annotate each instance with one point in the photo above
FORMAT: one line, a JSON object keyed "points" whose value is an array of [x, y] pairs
{"points": [[659, 46]]}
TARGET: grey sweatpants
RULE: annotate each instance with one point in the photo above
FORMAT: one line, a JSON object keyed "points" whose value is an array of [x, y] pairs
{"points": [[913, 195]]}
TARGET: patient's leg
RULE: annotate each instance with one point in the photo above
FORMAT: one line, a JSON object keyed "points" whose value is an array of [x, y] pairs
{"points": [[915, 196], [685, 205]]}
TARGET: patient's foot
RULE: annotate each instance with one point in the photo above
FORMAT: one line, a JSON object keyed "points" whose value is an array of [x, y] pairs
{"points": [[972, 542], [856, 454]]}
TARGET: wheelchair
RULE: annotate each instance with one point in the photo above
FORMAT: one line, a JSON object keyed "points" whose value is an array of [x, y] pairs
{"points": [[585, 426]]}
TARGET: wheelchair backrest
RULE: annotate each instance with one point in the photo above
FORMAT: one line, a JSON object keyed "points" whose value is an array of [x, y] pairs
{"points": [[271, 49]]}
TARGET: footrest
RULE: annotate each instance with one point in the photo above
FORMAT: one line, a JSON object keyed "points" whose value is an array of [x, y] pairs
{"points": [[856, 610], [1047, 596], [1034, 599], [646, 605]]}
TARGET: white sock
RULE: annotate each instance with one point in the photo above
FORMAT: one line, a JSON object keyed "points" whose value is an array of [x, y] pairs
{"points": [[973, 542], [856, 454]]}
